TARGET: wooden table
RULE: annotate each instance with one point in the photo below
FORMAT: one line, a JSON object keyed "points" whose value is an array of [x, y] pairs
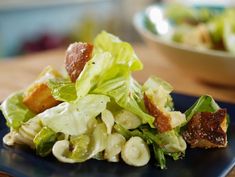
{"points": [[17, 73]]}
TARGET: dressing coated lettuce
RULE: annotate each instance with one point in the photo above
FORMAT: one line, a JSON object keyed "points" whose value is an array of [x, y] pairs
{"points": [[86, 147], [14, 110], [73, 118]]}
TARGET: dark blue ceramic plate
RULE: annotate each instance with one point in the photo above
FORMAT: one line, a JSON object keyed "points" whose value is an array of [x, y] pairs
{"points": [[23, 162]]}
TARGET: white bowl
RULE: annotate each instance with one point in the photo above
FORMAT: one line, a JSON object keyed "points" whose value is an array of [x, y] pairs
{"points": [[209, 65]]}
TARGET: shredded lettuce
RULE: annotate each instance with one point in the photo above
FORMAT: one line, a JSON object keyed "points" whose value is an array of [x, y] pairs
{"points": [[14, 110]]}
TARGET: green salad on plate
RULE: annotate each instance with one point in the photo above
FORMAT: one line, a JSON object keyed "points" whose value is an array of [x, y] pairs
{"points": [[96, 109]]}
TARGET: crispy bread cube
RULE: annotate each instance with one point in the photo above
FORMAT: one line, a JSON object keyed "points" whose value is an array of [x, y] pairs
{"points": [[207, 130], [38, 96], [161, 122], [77, 55]]}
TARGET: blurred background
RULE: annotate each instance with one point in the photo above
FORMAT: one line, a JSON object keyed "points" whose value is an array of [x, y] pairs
{"points": [[28, 26]]}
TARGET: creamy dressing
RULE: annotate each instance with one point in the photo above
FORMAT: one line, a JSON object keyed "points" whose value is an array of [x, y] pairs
{"points": [[9, 139]]}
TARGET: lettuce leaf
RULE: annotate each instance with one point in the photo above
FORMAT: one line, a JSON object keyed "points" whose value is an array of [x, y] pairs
{"points": [[92, 72], [122, 52], [126, 92], [14, 110], [73, 118], [204, 104], [110, 54], [62, 89]]}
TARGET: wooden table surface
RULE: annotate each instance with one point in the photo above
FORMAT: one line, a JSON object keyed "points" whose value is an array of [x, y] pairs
{"points": [[17, 73]]}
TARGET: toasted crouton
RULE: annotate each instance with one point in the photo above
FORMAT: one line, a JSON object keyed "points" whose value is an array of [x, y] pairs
{"points": [[38, 96], [161, 122], [207, 130], [77, 55]]}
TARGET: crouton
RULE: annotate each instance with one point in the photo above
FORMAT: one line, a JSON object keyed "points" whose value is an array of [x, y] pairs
{"points": [[38, 96], [77, 55], [161, 122], [207, 130]]}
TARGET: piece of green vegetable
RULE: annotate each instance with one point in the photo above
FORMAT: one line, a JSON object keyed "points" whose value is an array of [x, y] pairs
{"points": [[159, 156], [14, 110], [62, 89], [204, 104], [44, 141]]}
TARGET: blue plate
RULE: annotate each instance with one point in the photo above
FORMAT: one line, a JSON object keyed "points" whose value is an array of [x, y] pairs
{"points": [[23, 162]]}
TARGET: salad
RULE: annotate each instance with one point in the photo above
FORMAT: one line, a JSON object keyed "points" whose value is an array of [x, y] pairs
{"points": [[200, 27], [96, 109]]}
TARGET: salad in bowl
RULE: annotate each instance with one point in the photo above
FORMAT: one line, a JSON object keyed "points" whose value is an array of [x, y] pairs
{"points": [[197, 40], [96, 109]]}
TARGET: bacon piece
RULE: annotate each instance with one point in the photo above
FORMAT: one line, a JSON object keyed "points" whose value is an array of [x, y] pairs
{"points": [[77, 55], [207, 130], [161, 122]]}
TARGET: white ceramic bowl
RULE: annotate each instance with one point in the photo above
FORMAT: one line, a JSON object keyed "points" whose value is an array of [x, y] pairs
{"points": [[209, 65]]}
